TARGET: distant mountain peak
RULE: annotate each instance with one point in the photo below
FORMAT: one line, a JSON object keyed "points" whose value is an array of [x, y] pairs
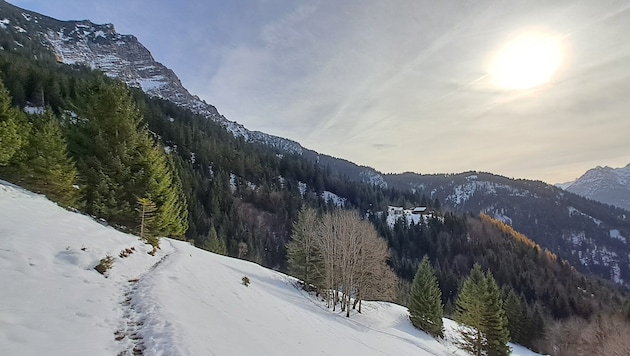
{"points": [[604, 184]]}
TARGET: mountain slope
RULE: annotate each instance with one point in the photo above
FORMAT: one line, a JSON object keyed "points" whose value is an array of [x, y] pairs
{"points": [[183, 301], [119, 56], [604, 184], [592, 236]]}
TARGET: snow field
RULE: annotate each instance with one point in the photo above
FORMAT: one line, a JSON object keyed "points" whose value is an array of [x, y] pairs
{"points": [[182, 301]]}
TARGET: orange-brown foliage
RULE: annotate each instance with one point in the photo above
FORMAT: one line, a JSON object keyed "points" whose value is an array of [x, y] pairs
{"points": [[517, 236]]}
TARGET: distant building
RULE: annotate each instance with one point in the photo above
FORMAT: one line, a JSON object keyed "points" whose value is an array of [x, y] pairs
{"points": [[420, 210]]}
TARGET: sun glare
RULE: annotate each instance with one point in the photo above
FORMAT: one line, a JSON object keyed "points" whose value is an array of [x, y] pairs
{"points": [[526, 61]]}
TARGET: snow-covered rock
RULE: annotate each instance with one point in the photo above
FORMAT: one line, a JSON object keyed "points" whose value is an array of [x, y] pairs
{"points": [[604, 184]]}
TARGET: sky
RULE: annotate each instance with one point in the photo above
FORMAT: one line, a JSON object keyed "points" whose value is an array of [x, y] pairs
{"points": [[402, 85]]}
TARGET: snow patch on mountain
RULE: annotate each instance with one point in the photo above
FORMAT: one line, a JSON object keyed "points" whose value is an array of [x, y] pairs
{"points": [[464, 192], [334, 198], [615, 234], [373, 178], [574, 211]]}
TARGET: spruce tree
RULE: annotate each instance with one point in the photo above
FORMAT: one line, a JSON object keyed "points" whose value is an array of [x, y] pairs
{"points": [[469, 311], [516, 313], [480, 308], [425, 301], [304, 259], [119, 161], [495, 323], [214, 244], [43, 165], [12, 129]]}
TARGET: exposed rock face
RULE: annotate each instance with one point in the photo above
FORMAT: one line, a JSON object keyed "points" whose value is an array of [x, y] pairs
{"points": [[124, 57]]}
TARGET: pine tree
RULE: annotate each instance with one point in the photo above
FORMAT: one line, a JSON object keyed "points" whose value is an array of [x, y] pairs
{"points": [[304, 259], [214, 244], [165, 188], [120, 161], [43, 165], [12, 129], [480, 308], [425, 301], [516, 313], [469, 311], [146, 211], [495, 322]]}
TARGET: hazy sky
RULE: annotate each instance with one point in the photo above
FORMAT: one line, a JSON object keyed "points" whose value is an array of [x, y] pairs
{"points": [[399, 85]]}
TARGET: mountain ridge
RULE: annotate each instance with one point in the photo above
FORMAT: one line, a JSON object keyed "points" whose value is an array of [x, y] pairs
{"points": [[604, 184], [99, 46]]}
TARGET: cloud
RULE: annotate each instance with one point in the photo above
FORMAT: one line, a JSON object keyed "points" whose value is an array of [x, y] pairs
{"points": [[366, 80]]}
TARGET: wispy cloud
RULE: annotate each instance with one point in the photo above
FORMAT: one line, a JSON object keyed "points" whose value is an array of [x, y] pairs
{"points": [[366, 80]]}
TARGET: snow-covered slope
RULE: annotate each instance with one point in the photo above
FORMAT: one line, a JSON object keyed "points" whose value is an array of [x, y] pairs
{"points": [[182, 301], [604, 184]]}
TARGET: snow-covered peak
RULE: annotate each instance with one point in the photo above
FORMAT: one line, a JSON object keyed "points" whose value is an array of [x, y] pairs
{"points": [[605, 184], [124, 57]]}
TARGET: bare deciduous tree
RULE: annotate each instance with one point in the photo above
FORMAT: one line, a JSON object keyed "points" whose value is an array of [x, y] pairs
{"points": [[355, 258]]}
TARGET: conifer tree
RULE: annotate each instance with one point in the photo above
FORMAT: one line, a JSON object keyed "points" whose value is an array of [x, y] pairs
{"points": [[12, 129], [516, 313], [146, 210], [214, 244], [469, 311], [495, 322], [479, 307], [425, 301], [120, 161], [304, 259], [43, 165]]}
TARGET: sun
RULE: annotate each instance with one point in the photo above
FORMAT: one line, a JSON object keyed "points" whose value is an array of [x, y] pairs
{"points": [[526, 61]]}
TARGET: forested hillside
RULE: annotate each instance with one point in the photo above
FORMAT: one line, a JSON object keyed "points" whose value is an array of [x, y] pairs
{"points": [[145, 165]]}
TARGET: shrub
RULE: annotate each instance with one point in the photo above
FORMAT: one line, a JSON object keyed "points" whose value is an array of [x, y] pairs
{"points": [[105, 264]]}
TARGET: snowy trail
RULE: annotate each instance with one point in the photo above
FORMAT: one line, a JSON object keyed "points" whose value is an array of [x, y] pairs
{"points": [[136, 311]]}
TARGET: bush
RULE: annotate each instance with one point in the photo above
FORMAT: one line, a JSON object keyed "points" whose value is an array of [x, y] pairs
{"points": [[105, 264], [245, 281]]}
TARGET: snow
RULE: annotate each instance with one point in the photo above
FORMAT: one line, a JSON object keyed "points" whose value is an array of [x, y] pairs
{"points": [[182, 301], [334, 198], [615, 234], [153, 83], [573, 211], [411, 216], [4, 23], [34, 110], [302, 187]]}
